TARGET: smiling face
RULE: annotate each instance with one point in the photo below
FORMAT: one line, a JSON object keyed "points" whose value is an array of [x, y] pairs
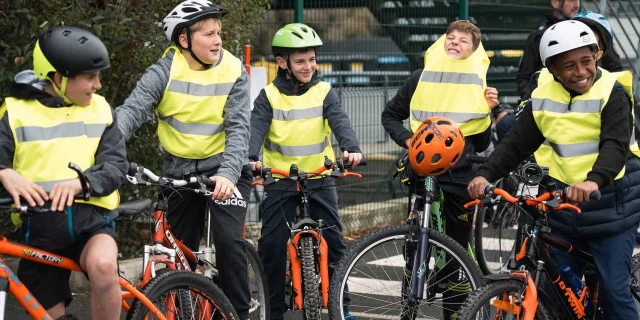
{"points": [[302, 64], [206, 41], [576, 69], [458, 45], [80, 88]]}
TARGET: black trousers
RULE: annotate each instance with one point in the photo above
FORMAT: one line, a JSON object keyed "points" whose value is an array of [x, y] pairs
{"points": [[278, 208], [186, 215]]}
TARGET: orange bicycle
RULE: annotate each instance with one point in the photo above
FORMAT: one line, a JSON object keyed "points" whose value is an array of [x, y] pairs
{"points": [[173, 295], [308, 251], [170, 252]]}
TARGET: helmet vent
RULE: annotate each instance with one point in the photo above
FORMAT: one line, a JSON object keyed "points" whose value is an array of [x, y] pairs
{"points": [[303, 29], [297, 35], [448, 142], [428, 138], [436, 157], [583, 33], [314, 33], [553, 43], [83, 40], [174, 13], [66, 33], [189, 9], [455, 158], [97, 61], [420, 157]]}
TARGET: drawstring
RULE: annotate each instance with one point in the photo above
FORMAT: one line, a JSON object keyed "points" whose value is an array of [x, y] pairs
{"points": [[70, 223]]}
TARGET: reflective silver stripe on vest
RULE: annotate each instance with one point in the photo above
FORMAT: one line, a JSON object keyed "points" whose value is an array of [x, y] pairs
{"points": [[201, 129], [48, 185], [580, 106], [297, 114], [63, 130], [297, 151], [457, 117], [451, 77], [200, 90], [574, 149]]}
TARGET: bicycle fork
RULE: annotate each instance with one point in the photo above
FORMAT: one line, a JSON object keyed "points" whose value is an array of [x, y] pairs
{"points": [[296, 267], [421, 260]]}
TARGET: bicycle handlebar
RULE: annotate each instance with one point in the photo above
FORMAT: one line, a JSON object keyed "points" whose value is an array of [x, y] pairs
{"points": [[339, 171], [198, 184], [554, 199]]}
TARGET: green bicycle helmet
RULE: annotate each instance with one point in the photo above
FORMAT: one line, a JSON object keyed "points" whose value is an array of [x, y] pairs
{"points": [[293, 37]]}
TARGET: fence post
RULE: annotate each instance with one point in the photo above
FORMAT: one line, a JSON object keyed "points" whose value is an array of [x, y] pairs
{"points": [[298, 9], [463, 9]]}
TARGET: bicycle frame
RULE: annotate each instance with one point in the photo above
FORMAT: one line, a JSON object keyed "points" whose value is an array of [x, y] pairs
{"points": [[29, 302], [536, 250]]}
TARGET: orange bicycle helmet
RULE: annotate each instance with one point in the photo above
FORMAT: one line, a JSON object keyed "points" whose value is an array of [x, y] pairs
{"points": [[435, 147]]}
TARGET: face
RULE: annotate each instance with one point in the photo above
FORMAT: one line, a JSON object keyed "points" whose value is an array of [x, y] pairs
{"points": [[80, 89], [458, 45], [576, 69], [568, 9], [303, 65], [206, 43]]}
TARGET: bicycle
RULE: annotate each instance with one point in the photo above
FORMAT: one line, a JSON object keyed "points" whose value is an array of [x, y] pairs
{"points": [[515, 291], [418, 258], [494, 242], [169, 251], [308, 251], [158, 300]]}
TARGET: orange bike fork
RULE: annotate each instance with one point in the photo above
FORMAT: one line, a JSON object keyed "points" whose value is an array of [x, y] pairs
{"points": [[296, 268]]}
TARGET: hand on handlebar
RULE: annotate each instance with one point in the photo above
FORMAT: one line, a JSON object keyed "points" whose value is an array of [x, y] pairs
{"points": [[352, 158], [224, 188], [63, 194], [18, 186], [581, 192], [255, 165], [476, 187]]}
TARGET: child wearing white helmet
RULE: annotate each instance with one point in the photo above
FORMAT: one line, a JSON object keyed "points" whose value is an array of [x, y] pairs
{"points": [[200, 93], [585, 116]]}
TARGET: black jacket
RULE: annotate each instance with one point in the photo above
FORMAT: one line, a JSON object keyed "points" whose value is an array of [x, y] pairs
{"points": [[397, 110], [531, 62], [111, 165]]}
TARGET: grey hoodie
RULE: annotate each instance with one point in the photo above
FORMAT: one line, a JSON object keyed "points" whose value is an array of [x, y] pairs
{"points": [[139, 108]]}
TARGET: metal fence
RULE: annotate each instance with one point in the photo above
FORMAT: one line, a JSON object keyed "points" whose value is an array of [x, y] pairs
{"points": [[372, 46]]}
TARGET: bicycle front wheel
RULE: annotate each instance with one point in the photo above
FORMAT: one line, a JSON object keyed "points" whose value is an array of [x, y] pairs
{"points": [[368, 282], [495, 236], [496, 300], [183, 295], [259, 304]]}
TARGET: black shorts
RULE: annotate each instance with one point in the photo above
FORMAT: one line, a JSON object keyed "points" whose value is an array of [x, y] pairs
{"points": [[51, 232]]}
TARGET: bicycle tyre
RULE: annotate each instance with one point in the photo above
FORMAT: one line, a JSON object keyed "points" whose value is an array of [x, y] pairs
{"points": [[166, 282], [483, 296], [311, 291], [386, 234], [257, 285], [481, 245], [635, 279]]}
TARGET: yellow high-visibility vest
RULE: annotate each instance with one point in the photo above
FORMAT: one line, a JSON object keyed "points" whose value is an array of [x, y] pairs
{"points": [[191, 121], [453, 89], [299, 133], [571, 126], [47, 139]]}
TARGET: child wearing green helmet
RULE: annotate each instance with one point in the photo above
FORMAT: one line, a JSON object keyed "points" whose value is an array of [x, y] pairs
{"points": [[53, 117], [274, 130]]}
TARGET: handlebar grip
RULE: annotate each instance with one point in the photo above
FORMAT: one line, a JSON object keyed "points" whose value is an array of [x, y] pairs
{"points": [[208, 183], [133, 169], [472, 158], [363, 162]]}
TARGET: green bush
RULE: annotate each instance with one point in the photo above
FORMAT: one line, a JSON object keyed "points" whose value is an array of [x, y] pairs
{"points": [[131, 30]]}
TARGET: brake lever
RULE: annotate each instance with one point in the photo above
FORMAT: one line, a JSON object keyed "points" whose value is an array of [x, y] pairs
{"points": [[83, 181]]}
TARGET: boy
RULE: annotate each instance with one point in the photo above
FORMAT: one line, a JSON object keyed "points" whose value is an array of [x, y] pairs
{"points": [[590, 152], [201, 95], [452, 85], [54, 117], [297, 111]]}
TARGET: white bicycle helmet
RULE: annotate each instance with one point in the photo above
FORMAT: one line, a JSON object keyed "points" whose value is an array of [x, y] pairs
{"points": [[188, 13], [565, 36]]}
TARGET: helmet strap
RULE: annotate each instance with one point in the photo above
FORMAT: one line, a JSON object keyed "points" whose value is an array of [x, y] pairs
{"points": [[193, 54], [294, 81], [60, 91]]}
